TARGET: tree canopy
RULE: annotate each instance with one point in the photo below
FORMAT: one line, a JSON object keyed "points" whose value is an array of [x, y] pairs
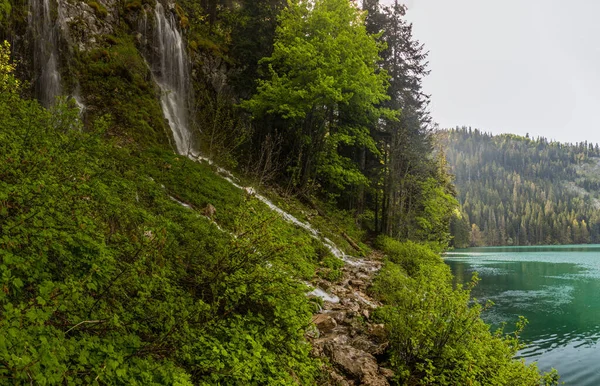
{"points": [[323, 66], [521, 191]]}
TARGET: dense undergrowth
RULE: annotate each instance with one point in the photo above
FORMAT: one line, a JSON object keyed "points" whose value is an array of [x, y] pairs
{"points": [[116, 80], [436, 336], [105, 279]]}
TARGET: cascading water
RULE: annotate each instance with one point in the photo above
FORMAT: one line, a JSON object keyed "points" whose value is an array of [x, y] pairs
{"points": [[45, 36], [337, 252], [173, 77]]}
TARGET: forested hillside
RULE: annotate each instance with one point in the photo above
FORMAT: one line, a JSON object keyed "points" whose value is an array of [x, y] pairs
{"points": [[139, 141], [517, 190]]}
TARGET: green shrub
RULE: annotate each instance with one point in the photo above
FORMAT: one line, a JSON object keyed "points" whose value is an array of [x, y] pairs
{"points": [[331, 268], [409, 255], [116, 81], [435, 336], [104, 279]]}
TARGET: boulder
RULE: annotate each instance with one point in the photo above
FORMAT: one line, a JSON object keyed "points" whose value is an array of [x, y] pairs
{"points": [[324, 323], [209, 211], [361, 342], [339, 316], [355, 363]]}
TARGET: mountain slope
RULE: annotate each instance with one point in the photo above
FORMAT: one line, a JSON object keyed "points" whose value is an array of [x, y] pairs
{"points": [[522, 191]]}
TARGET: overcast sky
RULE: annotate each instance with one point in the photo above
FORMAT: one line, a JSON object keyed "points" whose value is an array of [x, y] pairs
{"points": [[513, 66]]}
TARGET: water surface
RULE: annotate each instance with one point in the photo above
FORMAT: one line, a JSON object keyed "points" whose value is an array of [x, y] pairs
{"points": [[557, 288]]}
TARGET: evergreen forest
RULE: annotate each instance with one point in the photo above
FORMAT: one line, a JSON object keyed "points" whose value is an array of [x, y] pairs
{"points": [[516, 190]]}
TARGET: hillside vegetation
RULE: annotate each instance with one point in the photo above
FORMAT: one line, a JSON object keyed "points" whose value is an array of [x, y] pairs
{"points": [[517, 190], [122, 262]]}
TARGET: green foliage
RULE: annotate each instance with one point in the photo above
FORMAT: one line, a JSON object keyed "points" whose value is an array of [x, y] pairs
{"points": [[116, 81], [323, 64], [408, 255], [433, 221], [436, 336], [460, 230], [223, 130], [105, 279], [5, 9], [520, 191], [331, 266], [8, 83]]}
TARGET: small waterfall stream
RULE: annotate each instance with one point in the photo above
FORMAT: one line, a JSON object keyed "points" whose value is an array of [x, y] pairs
{"points": [[337, 252], [45, 58], [173, 77]]}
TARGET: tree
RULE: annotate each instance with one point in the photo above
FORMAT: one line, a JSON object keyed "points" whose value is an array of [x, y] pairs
{"points": [[476, 237], [459, 229], [5, 9], [323, 66], [527, 192], [405, 142]]}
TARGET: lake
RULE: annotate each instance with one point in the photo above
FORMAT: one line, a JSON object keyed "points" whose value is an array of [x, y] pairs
{"points": [[557, 288]]}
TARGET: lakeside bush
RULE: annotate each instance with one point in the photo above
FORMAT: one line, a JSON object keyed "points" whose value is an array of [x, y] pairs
{"points": [[436, 335]]}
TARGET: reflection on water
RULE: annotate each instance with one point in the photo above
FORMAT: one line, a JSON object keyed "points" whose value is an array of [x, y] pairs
{"points": [[557, 288]]}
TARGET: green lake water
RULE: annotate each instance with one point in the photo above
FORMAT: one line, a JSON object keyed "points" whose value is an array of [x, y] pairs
{"points": [[557, 288]]}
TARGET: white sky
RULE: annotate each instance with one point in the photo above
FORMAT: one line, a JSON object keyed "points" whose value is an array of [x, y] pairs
{"points": [[514, 66]]}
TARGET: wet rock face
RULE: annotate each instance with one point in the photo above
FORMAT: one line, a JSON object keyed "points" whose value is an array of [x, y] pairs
{"points": [[346, 337], [85, 22]]}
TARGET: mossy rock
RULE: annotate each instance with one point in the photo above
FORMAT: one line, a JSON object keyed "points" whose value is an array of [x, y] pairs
{"points": [[115, 80], [98, 8]]}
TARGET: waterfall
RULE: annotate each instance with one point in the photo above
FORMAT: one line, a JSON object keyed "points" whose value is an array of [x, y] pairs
{"points": [[45, 58], [173, 77], [334, 249]]}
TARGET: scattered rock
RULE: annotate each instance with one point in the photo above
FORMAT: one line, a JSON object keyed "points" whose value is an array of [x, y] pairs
{"points": [[363, 343], [357, 283], [209, 211], [378, 332], [357, 364], [366, 314], [344, 334], [324, 322], [389, 374], [339, 316], [350, 305], [337, 379]]}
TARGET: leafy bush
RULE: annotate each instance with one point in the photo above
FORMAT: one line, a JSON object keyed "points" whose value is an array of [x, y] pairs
{"points": [[435, 336], [331, 266], [409, 255], [105, 279]]}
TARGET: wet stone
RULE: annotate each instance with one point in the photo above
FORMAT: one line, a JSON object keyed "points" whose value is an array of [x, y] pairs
{"points": [[324, 322]]}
